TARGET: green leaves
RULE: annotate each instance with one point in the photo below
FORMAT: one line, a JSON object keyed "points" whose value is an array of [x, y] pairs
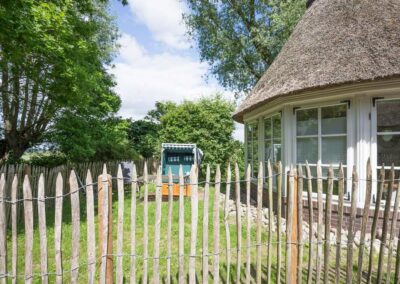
{"points": [[56, 54], [240, 39], [207, 123]]}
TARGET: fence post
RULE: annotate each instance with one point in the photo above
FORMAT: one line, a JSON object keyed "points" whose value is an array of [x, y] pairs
{"points": [[3, 230], [292, 234], [193, 227], [295, 236], [101, 198]]}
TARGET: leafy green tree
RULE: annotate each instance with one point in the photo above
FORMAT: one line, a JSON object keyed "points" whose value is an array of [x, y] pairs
{"points": [[91, 138], [208, 123], [54, 57], [240, 39], [144, 133], [144, 137], [161, 108]]}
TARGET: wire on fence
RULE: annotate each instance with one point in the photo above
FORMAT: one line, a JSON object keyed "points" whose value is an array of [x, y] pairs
{"points": [[83, 187], [172, 256]]}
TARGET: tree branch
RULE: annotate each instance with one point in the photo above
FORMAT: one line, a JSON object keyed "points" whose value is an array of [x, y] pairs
{"points": [[250, 26]]}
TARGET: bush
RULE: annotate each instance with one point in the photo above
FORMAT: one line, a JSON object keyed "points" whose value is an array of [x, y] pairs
{"points": [[47, 159]]}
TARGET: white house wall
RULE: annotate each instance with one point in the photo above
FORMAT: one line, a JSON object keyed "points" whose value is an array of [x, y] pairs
{"points": [[361, 124]]}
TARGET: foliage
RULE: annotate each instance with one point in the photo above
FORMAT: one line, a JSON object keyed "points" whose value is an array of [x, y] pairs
{"points": [[208, 123], [144, 137], [144, 133], [240, 39], [161, 109], [94, 139], [48, 159], [54, 57]]}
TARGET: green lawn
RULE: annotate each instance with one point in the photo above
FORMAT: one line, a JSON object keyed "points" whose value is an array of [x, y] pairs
{"points": [[66, 239], [66, 243]]}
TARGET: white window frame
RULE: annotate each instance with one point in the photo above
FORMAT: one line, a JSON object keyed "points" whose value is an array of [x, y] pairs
{"points": [[269, 117], [349, 140], [253, 122], [263, 139], [374, 144]]}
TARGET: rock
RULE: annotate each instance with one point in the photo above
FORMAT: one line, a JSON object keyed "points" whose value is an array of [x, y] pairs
{"points": [[378, 234], [344, 240], [376, 245], [357, 238]]}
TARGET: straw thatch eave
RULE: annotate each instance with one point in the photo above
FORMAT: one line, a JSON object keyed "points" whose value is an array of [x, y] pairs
{"points": [[337, 42]]}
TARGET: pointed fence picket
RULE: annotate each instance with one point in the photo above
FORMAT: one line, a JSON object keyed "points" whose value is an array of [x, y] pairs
{"points": [[216, 223], [193, 228], [3, 249], [205, 226], [181, 249], [169, 229], [75, 212], [58, 228], [14, 236], [91, 239], [28, 208], [226, 223], [120, 233], [209, 257], [42, 230], [134, 189]]}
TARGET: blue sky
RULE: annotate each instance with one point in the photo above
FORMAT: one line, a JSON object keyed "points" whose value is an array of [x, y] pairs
{"points": [[157, 62]]}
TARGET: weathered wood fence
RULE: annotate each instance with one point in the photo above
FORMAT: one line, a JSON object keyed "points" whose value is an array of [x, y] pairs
{"points": [[50, 176], [274, 251]]}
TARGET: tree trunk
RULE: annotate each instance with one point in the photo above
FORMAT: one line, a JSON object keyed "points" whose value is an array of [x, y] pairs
{"points": [[12, 149]]}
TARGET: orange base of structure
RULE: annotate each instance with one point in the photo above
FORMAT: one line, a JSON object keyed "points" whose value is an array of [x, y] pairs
{"points": [[175, 190]]}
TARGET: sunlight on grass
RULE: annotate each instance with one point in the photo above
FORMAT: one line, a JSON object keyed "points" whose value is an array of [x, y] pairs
{"points": [[66, 242]]}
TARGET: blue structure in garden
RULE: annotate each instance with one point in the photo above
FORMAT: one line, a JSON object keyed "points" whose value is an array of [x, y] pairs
{"points": [[173, 155]]}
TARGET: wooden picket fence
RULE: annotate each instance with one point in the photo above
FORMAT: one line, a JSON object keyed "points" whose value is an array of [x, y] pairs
{"points": [[288, 246]]}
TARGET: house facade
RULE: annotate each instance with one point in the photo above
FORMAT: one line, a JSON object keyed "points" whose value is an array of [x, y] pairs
{"points": [[332, 95]]}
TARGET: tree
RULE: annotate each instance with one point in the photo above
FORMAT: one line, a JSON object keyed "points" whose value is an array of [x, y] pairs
{"points": [[240, 39], [208, 123], [144, 137], [92, 138], [144, 133], [161, 109], [54, 57]]}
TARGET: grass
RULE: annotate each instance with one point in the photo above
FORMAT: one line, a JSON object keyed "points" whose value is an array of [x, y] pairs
{"points": [[67, 245]]}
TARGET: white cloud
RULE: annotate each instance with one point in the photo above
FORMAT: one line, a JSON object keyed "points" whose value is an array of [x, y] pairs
{"points": [[144, 78], [164, 20]]}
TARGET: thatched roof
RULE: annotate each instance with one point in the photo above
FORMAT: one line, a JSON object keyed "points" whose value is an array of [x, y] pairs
{"points": [[336, 42]]}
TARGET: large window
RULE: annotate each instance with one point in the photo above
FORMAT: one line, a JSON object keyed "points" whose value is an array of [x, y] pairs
{"points": [[388, 138], [321, 136], [272, 143], [272, 138], [388, 132], [252, 147]]}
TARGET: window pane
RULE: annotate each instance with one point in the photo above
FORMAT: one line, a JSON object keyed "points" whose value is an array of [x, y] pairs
{"points": [[267, 129], [334, 150], [255, 149], [389, 149], [307, 122], [386, 184], [388, 116], [276, 122], [268, 150], [333, 119], [252, 131], [277, 150], [307, 150], [255, 168]]}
